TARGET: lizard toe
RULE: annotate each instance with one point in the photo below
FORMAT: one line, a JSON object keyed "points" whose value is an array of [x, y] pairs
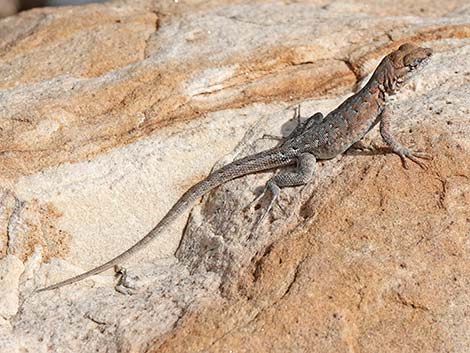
{"points": [[414, 156]]}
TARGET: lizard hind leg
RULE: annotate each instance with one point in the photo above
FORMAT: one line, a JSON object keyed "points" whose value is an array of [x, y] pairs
{"points": [[300, 176], [275, 191]]}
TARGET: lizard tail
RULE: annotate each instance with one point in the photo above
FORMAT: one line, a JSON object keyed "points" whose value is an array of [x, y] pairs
{"points": [[251, 164]]}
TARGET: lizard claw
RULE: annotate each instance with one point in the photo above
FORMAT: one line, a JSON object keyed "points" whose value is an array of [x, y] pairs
{"points": [[275, 191], [405, 153], [255, 200]]}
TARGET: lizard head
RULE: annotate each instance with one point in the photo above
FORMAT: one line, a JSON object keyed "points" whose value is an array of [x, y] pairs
{"points": [[410, 57], [402, 63]]}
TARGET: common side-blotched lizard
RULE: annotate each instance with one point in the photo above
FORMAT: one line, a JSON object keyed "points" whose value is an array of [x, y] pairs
{"points": [[317, 138]]}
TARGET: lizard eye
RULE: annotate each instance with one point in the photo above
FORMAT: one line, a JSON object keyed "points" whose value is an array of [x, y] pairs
{"points": [[413, 63], [413, 60], [416, 62]]}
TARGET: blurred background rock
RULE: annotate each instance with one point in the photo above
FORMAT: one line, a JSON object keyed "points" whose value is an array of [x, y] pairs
{"points": [[10, 7]]}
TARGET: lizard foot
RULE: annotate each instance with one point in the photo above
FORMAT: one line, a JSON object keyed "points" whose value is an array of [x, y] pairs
{"points": [[255, 200], [275, 191], [272, 137], [127, 284], [405, 153]]}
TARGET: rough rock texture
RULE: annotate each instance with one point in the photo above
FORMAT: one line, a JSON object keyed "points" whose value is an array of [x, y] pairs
{"points": [[109, 112]]}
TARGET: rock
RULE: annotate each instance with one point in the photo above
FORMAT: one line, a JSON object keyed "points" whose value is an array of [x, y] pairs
{"points": [[8, 342], [109, 112], [382, 251], [10, 270], [8, 7]]}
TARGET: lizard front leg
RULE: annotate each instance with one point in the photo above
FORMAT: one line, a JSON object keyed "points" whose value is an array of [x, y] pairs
{"points": [[306, 124], [403, 152], [300, 127], [300, 176]]}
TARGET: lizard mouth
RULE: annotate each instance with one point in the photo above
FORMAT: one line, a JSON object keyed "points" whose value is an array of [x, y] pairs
{"points": [[418, 63], [415, 66]]}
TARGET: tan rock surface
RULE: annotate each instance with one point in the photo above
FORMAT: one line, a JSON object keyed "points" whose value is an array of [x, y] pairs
{"points": [[109, 112], [8, 7], [11, 268]]}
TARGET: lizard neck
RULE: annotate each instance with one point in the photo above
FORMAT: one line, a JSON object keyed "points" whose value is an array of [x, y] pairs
{"points": [[375, 91], [358, 114], [384, 81]]}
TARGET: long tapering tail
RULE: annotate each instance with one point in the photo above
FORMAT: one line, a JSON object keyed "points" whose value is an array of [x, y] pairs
{"points": [[251, 164]]}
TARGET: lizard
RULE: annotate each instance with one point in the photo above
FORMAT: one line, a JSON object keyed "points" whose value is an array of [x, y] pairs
{"points": [[316, 138]]}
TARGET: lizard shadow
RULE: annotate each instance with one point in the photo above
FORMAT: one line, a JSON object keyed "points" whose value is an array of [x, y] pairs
{"points": [[287, 128]]}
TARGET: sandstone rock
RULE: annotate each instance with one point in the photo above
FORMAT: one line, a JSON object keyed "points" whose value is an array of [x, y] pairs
{"points": [[10, 269], [8, 341], [8, 7], [109, 112]]}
